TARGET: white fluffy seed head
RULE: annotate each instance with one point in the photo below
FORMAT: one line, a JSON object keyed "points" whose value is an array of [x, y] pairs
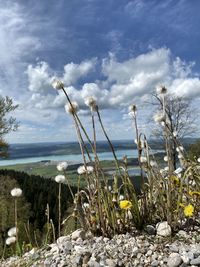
{"points": [[153, 163], [83, 170], [72, 108], [57, 84], [143, 159], [179, 149], [12, 231], [16, 192], [166, 169], [91, 102], [161, 90], [198, 159], [10, 240], [62, 166], [165, 158], [175, 133], [121, 197], [159, 117], [60, 178]]}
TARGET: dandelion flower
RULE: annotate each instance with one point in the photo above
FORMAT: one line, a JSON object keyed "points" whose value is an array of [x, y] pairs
{"points": [[161, 90], [57, 84], [72, 108], [12, 231], [62, 166], [90, 101], [188, 210], [60, 178], [16, 192], [10, 240], [125, 204], [198, 160], [166, 169], [83, 170]]}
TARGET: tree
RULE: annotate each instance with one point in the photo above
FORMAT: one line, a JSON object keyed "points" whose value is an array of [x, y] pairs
{"points": [[180, 119], [7, 123], [194, 150]]}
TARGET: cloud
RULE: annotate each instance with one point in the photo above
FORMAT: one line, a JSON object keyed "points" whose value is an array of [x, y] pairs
{"points": [[72, 72], [124, 82]]}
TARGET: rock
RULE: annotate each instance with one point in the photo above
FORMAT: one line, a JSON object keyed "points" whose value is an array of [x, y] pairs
{"points": [[174, 260], [163, 229], [110, 263], [80, 233], [154, 263], [62, 239], [185, 259], [173, 248], [195, 262], [151, 230]]}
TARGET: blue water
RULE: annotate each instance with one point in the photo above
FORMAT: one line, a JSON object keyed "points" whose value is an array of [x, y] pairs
{"points": [[75, 158], [71, 158]]}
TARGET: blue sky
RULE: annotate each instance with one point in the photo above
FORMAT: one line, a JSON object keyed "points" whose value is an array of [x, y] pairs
{"points": [[116, 50]]}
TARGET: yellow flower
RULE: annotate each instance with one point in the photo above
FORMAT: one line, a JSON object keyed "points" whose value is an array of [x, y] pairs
{"points": [[191, 193], [125, 204], [175, 179], [189, 210]]}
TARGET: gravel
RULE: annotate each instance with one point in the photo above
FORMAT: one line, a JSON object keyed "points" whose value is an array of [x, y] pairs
{"points": [[130, 249]]}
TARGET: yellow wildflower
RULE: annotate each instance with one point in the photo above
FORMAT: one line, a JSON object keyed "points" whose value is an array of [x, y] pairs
{"points": [[175, 179], [189, 210], [125, 204], [191, 193]]}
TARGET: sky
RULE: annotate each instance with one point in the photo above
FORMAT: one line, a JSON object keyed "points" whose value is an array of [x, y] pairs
{"points": [[118, 51]]}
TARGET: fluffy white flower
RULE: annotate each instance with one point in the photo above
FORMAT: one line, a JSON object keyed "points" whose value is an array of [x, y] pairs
{"points": [[179, 149], [161, 90], [143, 159], [60, 178], [12, 231], [83, 170], [62, 166], [175, 133], [86, 205], [198, 160], [10, 240], [72, 108], [165, 158], [90, 101], [16, 192], [166, 169], [159, 117], [153, 163], [57, 84]]}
